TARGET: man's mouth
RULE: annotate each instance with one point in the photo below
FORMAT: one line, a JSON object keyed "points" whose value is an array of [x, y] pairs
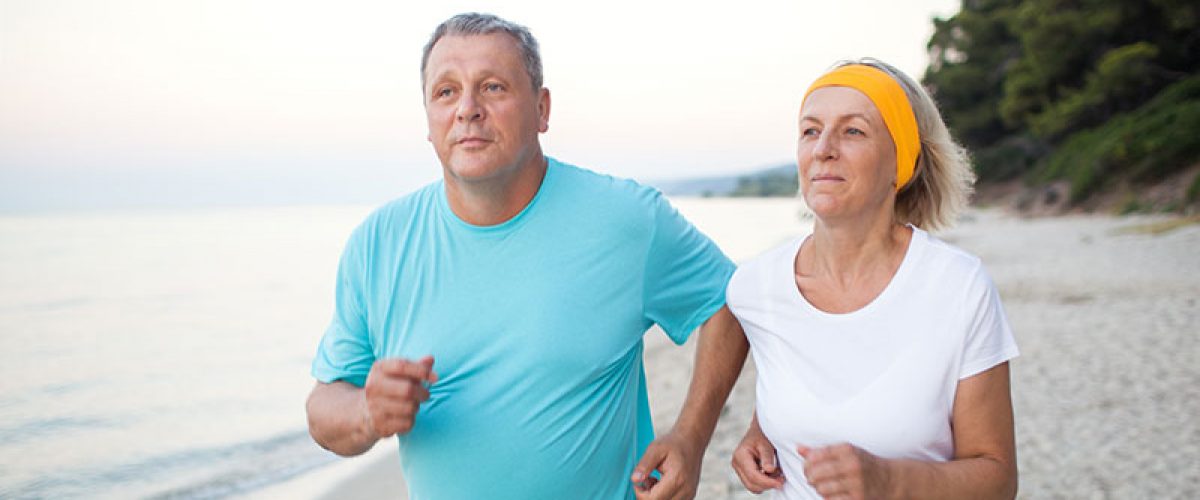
{"points": [[471, 141]]}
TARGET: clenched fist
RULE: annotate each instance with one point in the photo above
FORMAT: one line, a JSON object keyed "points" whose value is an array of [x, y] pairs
{"points": [[394, 392]]}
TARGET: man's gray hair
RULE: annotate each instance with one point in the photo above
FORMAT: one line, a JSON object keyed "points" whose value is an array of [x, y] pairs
{"points": [[474, 23]]}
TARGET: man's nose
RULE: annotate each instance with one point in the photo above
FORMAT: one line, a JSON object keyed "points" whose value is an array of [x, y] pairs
{"points": [[469, 109]]}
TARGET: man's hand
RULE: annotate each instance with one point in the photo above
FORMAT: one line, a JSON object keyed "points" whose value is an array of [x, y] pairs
{"points": [[393, 394], [755, 461], [845, 471], [677, 459]]}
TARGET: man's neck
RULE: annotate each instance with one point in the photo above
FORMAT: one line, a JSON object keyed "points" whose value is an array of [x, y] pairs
{"points": [[489, 202]]}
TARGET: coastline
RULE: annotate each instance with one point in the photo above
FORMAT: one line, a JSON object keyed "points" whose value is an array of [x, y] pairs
{"points": [[374, 474]]}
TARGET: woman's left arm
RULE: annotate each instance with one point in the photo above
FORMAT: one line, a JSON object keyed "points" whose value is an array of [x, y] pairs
{"points": [[984, 464], [985, 452]]}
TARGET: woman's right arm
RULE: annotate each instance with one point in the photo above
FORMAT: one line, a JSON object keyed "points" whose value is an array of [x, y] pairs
{"points": [[755, 461]]}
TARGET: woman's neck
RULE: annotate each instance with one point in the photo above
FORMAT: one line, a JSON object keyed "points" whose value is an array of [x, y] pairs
{"points": [[850, 251]]}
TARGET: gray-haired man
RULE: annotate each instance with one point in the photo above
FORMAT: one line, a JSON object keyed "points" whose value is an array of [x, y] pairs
{"points": [[531, 283]]}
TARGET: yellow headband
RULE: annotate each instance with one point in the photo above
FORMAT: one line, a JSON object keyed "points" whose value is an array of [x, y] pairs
{"points": [[892, 103]]}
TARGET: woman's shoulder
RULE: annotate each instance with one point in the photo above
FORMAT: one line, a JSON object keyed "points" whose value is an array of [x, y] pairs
{"points": [[769, 262], [951, 262], [785, 250], [756, 279]]}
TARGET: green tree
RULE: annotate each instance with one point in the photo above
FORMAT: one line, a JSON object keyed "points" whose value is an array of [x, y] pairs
{"points": [[1123, 78], [1054, 89], [770, 183], [1084, 61], [969, 56]]}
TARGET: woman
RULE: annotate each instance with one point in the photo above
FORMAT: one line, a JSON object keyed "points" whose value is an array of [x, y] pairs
{"points": [[882, 352]]}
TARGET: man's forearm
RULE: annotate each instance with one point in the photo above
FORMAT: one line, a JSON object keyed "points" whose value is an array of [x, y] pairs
{"points": [[720, 355], [337, 419]]}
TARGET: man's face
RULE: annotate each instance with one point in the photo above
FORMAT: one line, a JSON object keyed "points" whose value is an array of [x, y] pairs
{"points": [[484, 115]]}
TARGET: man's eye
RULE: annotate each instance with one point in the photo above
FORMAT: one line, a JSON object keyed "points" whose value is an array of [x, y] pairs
{"points": [[493, 87]]}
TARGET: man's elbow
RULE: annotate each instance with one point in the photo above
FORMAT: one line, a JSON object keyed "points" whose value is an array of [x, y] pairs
{"points": [[342, 450], [323, 426]]}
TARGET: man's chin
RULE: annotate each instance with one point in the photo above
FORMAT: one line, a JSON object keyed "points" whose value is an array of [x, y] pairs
{"points": [[475, 171]]}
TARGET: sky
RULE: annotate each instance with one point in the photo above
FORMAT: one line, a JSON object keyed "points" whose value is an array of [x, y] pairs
{"points": [[141, 103]]}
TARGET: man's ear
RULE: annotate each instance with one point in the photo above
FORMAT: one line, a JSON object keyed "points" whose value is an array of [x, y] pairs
{"points": [[543, 110]]}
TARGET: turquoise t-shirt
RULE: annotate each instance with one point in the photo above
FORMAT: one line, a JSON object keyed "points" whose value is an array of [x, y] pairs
{"points": [[535, 326]]}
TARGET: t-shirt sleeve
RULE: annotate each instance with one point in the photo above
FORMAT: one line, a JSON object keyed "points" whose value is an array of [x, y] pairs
{"points": [[989, 340], [685, 276], [345, 351]]}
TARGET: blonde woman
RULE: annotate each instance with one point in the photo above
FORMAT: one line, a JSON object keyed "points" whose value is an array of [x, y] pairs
{"points": [[882, 352]]}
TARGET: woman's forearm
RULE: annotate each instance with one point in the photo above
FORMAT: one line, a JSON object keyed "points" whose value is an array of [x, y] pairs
{"points": [[977, 477]]}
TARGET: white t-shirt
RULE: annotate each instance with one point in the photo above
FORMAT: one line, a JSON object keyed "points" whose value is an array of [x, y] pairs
{"points": [[882, 378]]}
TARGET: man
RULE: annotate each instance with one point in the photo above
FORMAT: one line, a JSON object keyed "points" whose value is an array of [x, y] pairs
{"points": [[493, 320]]}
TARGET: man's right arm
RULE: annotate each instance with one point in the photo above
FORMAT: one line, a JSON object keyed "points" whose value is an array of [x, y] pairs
{"points": [[337, 418], [349, 420]]}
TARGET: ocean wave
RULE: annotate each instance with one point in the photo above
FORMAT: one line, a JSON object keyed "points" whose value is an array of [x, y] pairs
{"points": [[206, 473]]}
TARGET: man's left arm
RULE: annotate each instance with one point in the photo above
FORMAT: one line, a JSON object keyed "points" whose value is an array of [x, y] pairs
{"points": [[677, 455]]}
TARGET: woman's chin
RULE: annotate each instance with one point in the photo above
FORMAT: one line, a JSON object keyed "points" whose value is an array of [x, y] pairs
{"points": [[823, 206]]}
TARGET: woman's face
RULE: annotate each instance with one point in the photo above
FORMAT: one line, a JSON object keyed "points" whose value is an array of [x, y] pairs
{"points": [[846, 156]]}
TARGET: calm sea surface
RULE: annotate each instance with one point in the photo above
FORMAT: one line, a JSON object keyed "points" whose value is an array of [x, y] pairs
{"points": [[166, 354]]}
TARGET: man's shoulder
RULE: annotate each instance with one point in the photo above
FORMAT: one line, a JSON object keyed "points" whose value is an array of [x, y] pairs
{"points": [[609, 190], [399, 213], [423, 198]]}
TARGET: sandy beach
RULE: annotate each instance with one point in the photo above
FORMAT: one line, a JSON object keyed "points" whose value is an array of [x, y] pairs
{"points": [[1106, 390]]}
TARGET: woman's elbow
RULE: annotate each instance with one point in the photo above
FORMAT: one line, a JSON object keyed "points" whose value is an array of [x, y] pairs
{"points": [[1007, 483]]}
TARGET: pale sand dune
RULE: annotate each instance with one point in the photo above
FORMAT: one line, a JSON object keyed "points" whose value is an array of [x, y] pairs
{"points": [[1107, 388]]}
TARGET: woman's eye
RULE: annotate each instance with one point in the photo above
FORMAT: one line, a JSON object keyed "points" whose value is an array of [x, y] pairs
{"points": [[855, 131], [810, 132]]}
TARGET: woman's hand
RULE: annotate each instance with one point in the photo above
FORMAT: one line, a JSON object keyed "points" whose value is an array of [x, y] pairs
{"points": [[843, 471], [755, 462]]}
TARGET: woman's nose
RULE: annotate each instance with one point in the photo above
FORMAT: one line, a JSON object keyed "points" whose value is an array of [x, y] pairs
{"points": [[826, 146]]}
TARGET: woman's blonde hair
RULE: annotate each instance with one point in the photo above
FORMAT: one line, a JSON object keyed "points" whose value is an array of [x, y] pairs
{"points": [[943, 180]]}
